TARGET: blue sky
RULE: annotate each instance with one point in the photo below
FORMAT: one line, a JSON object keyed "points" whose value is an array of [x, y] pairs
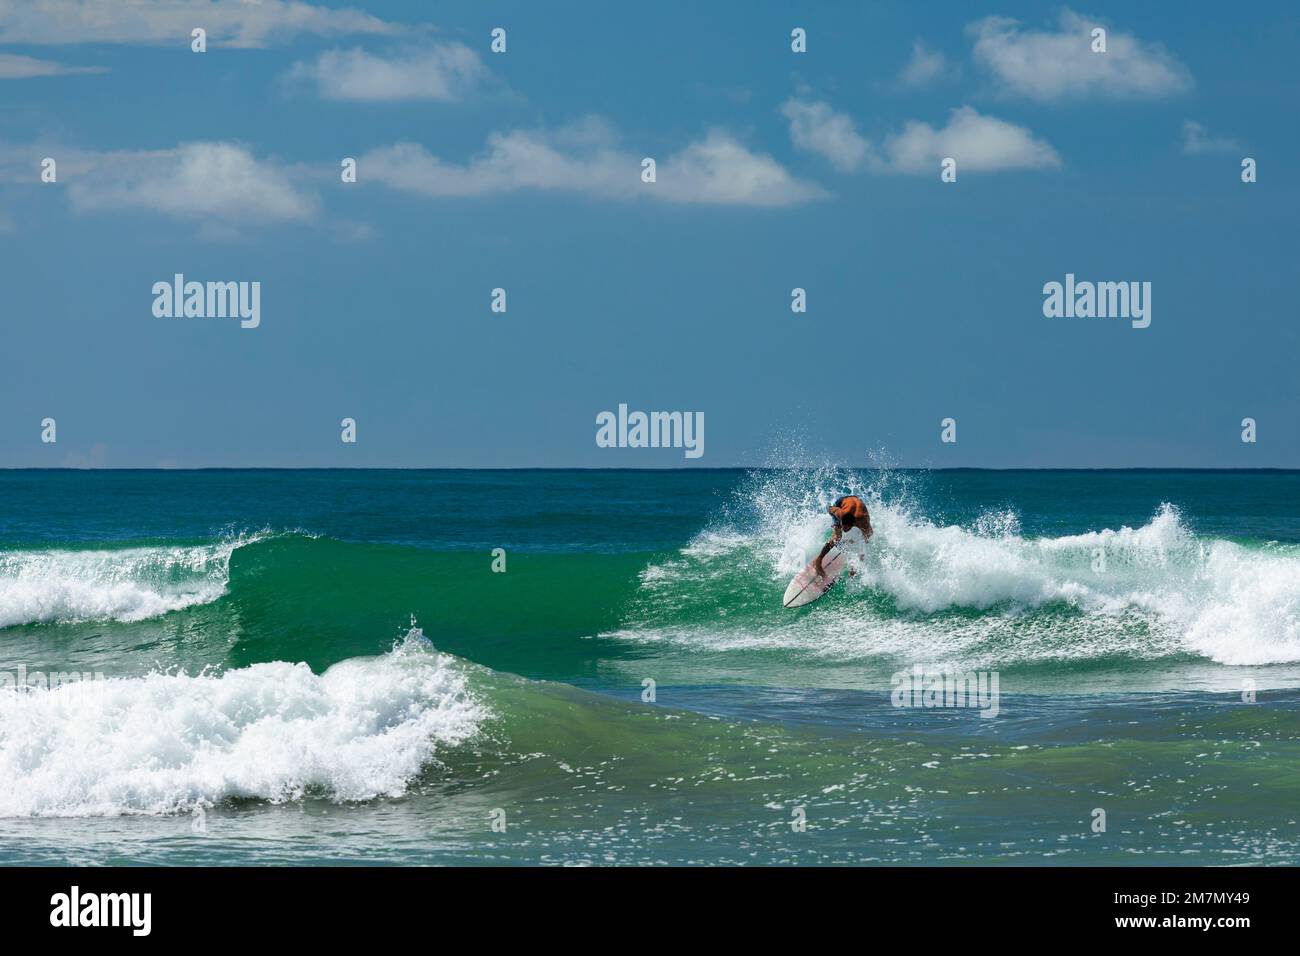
{"points": [[521, 170]]}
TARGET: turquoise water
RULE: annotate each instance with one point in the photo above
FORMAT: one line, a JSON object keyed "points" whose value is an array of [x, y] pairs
{"points": [[323, 666]]}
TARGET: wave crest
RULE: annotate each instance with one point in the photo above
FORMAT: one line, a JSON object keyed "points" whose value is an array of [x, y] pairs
{"points": [[982, 592], [166, 743], [122, 584]]}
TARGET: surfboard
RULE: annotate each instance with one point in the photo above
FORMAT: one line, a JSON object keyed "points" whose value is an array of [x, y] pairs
{"points": [[807, 586]]}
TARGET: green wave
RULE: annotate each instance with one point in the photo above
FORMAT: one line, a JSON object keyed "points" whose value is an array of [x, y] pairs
{"points": [[709, 612], [322, 601]]}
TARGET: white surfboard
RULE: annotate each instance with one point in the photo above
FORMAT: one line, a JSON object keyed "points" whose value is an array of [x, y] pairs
{"points": [[807, 586]]}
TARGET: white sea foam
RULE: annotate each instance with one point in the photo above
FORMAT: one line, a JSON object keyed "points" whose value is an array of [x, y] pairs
{"points": [[125, 584], [1144, 592], [166, 743]]}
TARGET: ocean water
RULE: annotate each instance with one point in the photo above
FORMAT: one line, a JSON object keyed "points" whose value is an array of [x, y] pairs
{"points": [[323, 667]]}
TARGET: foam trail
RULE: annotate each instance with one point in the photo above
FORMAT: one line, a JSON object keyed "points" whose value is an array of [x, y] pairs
{"points": [[167, 743], [126, 584]]}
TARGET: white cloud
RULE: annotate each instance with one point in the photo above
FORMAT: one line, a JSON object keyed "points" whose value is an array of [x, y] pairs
{"points": [[512, 161], [1046, 65], [586, 159], [1197, 139], [924, 67], [15, 67], [978, 144], [819, 129], [222, 184], [442, 72], [229, 22], [720, 170]]}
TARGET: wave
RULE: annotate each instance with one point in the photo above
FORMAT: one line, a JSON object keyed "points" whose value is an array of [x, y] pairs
{"points": [[123, 584], [167, 743], [981, 593], [974, 592]]}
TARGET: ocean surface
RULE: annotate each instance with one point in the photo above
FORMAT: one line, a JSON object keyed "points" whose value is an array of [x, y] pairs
{"points": [[319, 667]]}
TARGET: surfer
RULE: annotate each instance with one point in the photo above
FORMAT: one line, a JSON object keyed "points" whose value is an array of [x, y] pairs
{"points": [[848, 511]]}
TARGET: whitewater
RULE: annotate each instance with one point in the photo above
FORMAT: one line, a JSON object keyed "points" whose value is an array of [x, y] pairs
{"points": [[980, 593]]}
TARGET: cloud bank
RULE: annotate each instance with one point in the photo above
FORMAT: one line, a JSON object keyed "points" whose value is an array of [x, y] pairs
{"points": [[979, 143], [215, 182], [443, 72], [586, 159], [230, 22]]}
